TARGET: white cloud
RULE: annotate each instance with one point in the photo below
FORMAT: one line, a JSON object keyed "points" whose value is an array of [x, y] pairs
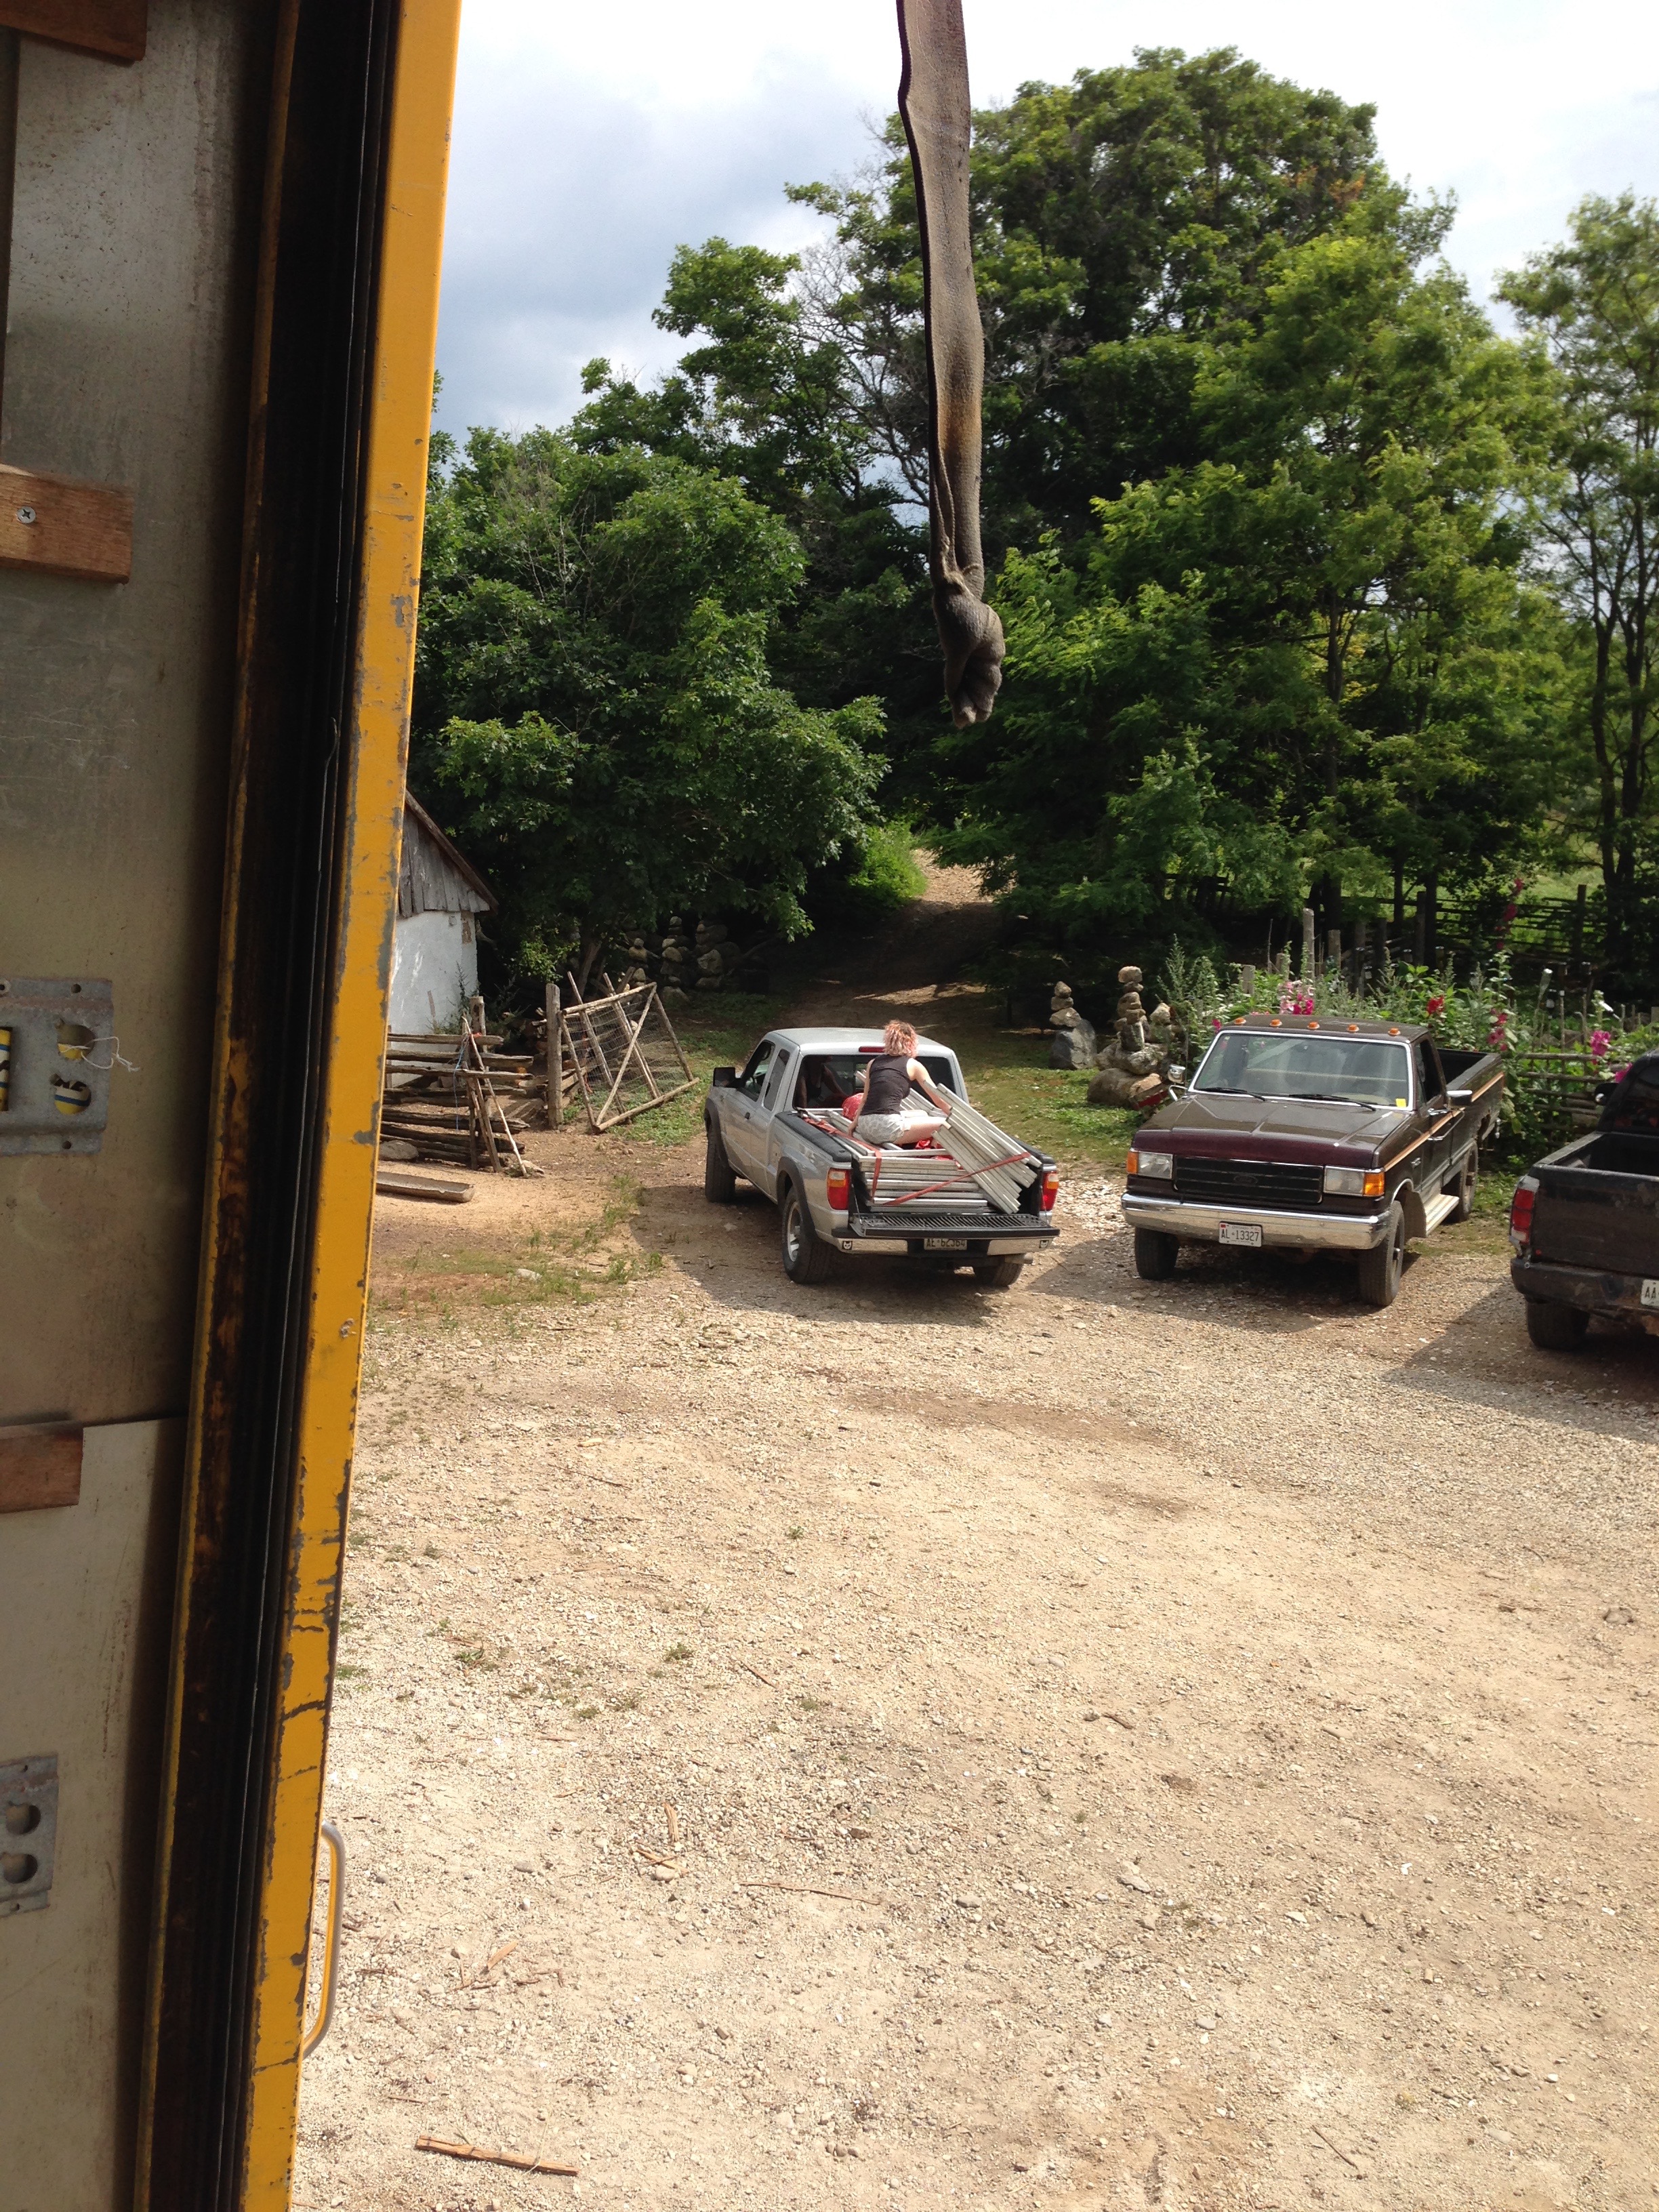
{"points": [[590, 140]]}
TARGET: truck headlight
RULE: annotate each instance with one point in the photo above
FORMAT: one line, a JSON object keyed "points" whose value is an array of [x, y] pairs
{"points": [[1159, 1165], [1353, 1182]]}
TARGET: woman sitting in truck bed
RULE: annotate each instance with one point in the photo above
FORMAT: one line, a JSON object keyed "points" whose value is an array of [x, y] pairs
{"points": [[884, 1118]]}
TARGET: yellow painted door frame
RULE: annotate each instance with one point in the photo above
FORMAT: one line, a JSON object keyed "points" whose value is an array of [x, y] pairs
{"points": [[269, 1459]]}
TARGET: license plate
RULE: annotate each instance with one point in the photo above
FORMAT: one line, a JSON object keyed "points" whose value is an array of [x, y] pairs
{"points": [[1650, 1290], [1242, 1233], [944, 1243]]}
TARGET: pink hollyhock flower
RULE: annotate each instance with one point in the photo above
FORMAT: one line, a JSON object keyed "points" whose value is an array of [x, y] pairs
{"points": [[1435, 1007], [1599, 1042]]}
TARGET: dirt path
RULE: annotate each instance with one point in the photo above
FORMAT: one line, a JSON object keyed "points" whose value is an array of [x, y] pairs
{"points": [[913, 963], [1186, 1746]]}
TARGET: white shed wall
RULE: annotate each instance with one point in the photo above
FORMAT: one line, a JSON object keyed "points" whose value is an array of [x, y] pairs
{"points": [[434, 969]]}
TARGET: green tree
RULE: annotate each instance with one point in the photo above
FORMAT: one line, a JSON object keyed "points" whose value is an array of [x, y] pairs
{"points": [[1118, 221], [595, 718], [769, 398], [1594, 302], [1308, 655]]}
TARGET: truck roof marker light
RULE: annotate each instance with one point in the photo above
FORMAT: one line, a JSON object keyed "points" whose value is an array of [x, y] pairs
{"points": [[1353, 1029], [1275, 1023], [1238, 1021], [1394, 1032], [1313, 1025]]}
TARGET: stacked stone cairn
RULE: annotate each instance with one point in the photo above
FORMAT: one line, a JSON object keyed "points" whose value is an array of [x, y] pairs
{"points": [[679, 964], [1073, 1041], [715, 954], [636, 963], [1134, 1067]]}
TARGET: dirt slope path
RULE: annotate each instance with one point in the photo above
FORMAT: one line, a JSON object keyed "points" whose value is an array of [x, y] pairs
{"points": [[911, 964], [1186, 1746]]}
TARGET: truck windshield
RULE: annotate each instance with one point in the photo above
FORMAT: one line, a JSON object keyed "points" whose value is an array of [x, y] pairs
{"points": [[1362, 1069]]}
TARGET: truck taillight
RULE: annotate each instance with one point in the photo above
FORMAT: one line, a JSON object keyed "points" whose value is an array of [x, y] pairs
{"points": [[1050, 1189], [840, 1189], [1520, 1206]]}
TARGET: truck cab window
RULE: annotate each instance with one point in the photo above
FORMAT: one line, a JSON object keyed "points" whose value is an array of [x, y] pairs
{"points": [[754, 1074], [780, 1066]]}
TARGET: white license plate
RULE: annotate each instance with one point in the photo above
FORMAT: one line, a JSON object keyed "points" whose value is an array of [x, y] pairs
{"points": [[1650, 1290], [1242, 1233], [944, 1243]]}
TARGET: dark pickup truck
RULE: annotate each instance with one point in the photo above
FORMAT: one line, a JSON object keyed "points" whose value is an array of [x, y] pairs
{"points": [[1321, 1135], [1584, 1222]]}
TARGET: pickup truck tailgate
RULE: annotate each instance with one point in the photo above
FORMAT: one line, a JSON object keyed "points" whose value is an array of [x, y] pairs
{"points": [[1595, 1209]]}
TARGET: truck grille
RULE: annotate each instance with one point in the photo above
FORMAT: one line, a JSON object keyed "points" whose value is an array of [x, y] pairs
{"points": [[1248, 1182]]}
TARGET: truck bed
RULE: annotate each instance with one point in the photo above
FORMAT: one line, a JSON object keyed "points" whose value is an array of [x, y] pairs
{"points": [[1598, 1204]]}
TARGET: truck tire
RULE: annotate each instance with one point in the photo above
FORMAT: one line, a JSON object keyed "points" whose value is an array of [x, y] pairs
{"points": [[1468, 1183], [1156, 1255], [1381, 1267], [720, 1182], [807, 1257], [1556, 1329], [998, 1274]]}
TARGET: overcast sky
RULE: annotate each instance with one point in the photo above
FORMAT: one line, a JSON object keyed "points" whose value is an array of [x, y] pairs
{"points": [[591, 140]]}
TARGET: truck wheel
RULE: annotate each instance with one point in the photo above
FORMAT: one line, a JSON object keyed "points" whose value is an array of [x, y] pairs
{"points": [[1380, 1268], [807, 1257], [1468, 1183], [998, 1274], [720, 1182], [1556, 1329], [1156, 1255]]}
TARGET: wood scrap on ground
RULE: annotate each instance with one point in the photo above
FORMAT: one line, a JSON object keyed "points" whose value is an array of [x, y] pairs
{"points": [[393, 1183], [806, 1889], [526, 2161]]}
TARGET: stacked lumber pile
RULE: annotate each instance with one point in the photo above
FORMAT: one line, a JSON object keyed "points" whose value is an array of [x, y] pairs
{"points": [[458, 1098], [970, 1159]]}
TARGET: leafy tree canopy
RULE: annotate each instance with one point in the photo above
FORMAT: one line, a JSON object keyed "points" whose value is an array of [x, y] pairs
{"points": [[595, 718], [1309, 657], [1117, 220], [1594, 301]]}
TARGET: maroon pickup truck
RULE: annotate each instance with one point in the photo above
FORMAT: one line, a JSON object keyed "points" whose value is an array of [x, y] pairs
{"points": [[1325, 1136]]}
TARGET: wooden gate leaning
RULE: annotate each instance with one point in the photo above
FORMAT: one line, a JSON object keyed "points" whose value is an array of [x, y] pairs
{"points": [[623, 1051]]}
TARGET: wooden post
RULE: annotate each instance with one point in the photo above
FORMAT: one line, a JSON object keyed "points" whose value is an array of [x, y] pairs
{"points": [[1578, 910], [1307, 943], [555, 1058], [1333, 953]]}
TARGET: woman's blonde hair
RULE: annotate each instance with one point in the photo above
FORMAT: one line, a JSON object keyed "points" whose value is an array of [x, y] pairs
{"points": [[898, 1036]]}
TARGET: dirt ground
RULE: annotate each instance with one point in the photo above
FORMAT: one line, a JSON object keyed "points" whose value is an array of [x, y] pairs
{"points": [[903, 1745]]}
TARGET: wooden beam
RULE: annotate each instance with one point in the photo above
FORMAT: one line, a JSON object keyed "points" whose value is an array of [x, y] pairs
{"points": [[112, 29], [64, 529], [40, 1465]]}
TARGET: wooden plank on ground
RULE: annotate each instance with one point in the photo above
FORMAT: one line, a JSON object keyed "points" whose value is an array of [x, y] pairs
{"points": [[396, 1182]]}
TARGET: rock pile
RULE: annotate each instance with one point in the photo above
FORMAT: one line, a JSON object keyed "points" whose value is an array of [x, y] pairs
{"points": [[1074, 1044], [1134, 1068]]}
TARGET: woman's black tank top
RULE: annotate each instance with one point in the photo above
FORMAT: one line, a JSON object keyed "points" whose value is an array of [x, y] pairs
{"points": [[889, 1083]]}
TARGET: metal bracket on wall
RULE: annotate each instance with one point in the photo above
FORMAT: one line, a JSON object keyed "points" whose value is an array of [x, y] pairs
{"points": [[58, 1047], [28, 1833]]}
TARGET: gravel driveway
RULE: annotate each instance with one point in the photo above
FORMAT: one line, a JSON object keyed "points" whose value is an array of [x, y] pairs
{"points": [[903, 1745]]}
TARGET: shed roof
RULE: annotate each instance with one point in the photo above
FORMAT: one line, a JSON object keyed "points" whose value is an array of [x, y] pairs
{"points": [[433, 877]]}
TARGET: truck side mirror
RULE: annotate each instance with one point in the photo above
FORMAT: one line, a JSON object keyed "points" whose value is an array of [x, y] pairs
{"points": [[724, 1079], [1460, 1097]]}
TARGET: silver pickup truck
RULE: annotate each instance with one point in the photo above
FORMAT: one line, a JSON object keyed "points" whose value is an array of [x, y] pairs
{"points": [[778, 1122]]}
